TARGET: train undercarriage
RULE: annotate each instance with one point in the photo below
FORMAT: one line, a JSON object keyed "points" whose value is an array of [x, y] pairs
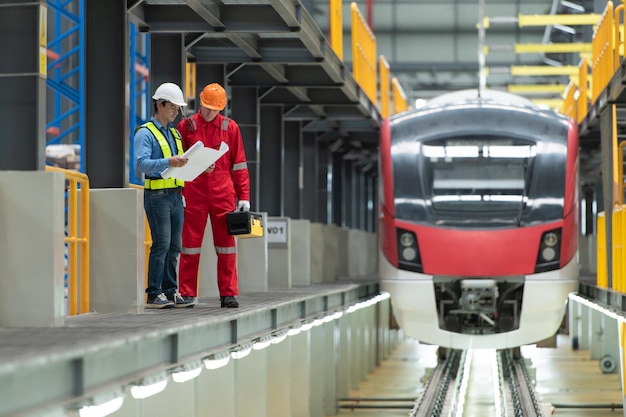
{"points": [[479, 305]]}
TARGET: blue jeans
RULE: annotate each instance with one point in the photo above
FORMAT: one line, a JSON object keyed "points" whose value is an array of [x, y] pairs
{"points": [[164, 209]]}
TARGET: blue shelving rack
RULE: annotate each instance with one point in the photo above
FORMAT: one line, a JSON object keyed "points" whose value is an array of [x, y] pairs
{"points": [[66, 74], [139, 85]]}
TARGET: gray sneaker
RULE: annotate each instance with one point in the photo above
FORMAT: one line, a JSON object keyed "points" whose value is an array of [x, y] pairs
{"points": [[160, 301], [183, 301]]}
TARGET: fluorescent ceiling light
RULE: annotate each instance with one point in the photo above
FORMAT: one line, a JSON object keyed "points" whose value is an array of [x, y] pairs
{"points": [[279, 338], [103, 409], [148, 388], [294, 331], [187, 372], [318, 322], [217, 361], [241, 351], [337, 315], [262, 343], [306, 326]]}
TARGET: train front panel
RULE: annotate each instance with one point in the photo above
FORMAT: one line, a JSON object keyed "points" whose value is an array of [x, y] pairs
{"points": [[478, 223]]}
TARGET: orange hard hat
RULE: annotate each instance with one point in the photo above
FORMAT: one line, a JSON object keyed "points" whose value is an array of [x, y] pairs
{"points": [[213, 97]]}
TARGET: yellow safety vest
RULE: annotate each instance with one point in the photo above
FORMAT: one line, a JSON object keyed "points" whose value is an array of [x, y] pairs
{"points": [[161, 183]]}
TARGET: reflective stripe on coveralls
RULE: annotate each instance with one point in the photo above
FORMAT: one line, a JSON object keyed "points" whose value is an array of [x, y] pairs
{"points": [[191, 251], [226, 250], [161, 183], [218, 249]]}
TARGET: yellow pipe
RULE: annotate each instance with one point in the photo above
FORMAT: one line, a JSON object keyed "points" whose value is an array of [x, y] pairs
{"points": [[551, 48], [620, 170], [558, 19], [602, 277], [536, 88], [552, 103], [543, 70], [618, 184], [147, 243], [190, 81]]}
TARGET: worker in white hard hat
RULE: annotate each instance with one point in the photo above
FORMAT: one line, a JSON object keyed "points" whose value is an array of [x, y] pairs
{"points": [[158, 146]]}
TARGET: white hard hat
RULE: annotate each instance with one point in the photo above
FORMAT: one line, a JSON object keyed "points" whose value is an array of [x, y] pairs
{"points": [[170, 92]]}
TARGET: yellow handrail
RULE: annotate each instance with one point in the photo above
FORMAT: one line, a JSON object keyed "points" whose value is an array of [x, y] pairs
{"points": [[398, 96], [148, 236], [363, 54], [602, 66], [569, 105], [582, 103], [619, 36], [77, 240], [384, 87], [336, 27]]}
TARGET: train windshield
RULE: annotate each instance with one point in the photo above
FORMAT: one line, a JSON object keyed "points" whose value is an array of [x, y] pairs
{"points": [[479, 182], [478, 175]]}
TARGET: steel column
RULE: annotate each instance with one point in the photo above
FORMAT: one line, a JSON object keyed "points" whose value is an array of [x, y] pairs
{"points": [[272, 174], [308, 185], [293, 170], [106, 86], [244, 105], [23, 43], [339, 191], [167, 60]]}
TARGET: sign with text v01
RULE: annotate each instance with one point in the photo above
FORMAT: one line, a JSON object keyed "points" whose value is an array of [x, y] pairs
{"points": [[276, 231]]}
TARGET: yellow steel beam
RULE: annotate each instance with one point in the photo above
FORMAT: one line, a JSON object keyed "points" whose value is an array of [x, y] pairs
{"points": [[536, 88], [543, 70], [558, 19], [551, 48]]}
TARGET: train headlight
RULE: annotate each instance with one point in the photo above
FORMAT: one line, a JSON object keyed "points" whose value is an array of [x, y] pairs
{"points": [[548, 254], [407, 239], [548, 258], [408, 251], [550, 239], [409, 254]]}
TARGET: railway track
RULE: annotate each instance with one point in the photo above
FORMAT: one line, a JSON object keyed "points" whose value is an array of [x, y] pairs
{"points": [[479, 382]]}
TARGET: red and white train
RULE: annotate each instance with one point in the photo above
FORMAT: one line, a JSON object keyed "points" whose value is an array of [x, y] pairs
{"points": [[478, 219]]}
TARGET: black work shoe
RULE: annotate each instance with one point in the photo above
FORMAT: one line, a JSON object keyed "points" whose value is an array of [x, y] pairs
{"points": [[182, 301], [160, 301], [229, 302]]}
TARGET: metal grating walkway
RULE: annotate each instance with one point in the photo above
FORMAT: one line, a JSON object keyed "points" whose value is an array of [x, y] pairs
{"points": [[95, 351]]}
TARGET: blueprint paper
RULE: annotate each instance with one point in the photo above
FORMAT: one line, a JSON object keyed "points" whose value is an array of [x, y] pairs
{"points": [[200, 158]]}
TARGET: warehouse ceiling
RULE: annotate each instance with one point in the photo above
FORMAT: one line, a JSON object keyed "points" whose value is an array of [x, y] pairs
{"points": [[275, 46], [432, 45]]}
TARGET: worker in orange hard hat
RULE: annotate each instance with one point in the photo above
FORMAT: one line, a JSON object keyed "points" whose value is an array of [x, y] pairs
{"points": [[213, 194], [213, 97]]}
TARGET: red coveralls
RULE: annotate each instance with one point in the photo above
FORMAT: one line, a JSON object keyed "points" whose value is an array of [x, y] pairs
{"points": [[213, 194]]}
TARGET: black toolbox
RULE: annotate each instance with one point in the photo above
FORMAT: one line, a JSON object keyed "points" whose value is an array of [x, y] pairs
{"points": [[244, 224]]}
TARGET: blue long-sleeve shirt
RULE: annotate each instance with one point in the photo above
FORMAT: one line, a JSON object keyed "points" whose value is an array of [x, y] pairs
{"points": [[149, 158]]}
